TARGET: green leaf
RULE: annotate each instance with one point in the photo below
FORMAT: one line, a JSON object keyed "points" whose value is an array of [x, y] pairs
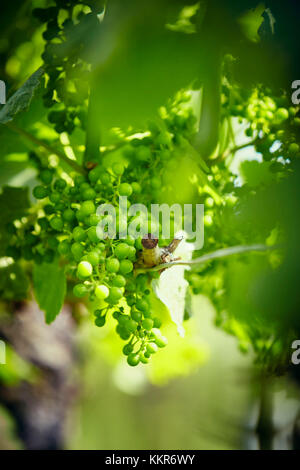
{"points": [[20, 100], [251, 21], [255, 173], [49, 283], [14, 203]]}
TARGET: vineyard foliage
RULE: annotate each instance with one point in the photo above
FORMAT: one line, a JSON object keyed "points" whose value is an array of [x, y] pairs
{"points": [[161, 102]]}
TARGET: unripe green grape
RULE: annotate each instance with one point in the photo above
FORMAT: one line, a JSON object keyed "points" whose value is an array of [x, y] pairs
{"points": [[161, 341], [121, 251], [119, 281], [105, 178], [93, 258], [57, 223], [87, 208], [124, 334], [163, 138], [88, 194], [128, 348], [79, 234], [83, 186], [131, 325], [126, 266], [156, 322], [123, 319], [297, 121], [143, 358], [115, 294], [54, 197], [100, 321], [147, 324], [130, 299], [84, 269], [281, 115], [92, 234], [79, 179], [40, 192], [133, 359], [118, 169], [112, 265], [94, 174], [68, 215], [136, 187], [142, 305], [80, 290], [152, 348], [293, 148], [125, 189], [49, 209], [60, 185], [46, 176], [60, 206], [101, 292], [77, 250], [94, 220], [64, 248], [142, 281], [143, 153], [136, 316]]}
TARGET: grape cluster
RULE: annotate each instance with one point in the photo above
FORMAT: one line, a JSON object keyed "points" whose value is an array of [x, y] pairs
{"points": [[270, 119], [65, 60]]}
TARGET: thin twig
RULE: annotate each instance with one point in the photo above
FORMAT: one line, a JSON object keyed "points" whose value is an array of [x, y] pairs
{"points": [[222, 253], [46, 146]]}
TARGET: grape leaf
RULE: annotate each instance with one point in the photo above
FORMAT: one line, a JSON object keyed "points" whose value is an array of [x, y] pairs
{"points": [[20, 100], [49, 283], [251, 21]]}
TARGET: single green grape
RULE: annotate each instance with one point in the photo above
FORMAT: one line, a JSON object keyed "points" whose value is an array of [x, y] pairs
{"points": [[121, 251], [84, 269], [40, 192], [147, 324], [100, 321], [133, 359], [57, 223], [87, 208], [101, 292], [125, 189], [113, 265], [119, 281], [46, 176], [126, 266], [77, 250], [79, 234], [115, 294], [127, 349], [80, 290]]}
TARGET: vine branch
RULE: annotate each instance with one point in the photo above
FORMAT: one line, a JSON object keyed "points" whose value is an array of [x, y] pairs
{"points": [[222, 253], [47, 147]]}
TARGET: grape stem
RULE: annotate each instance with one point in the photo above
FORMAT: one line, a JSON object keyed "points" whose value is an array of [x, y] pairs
{"points": [[222, 253], [47, 147]]}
